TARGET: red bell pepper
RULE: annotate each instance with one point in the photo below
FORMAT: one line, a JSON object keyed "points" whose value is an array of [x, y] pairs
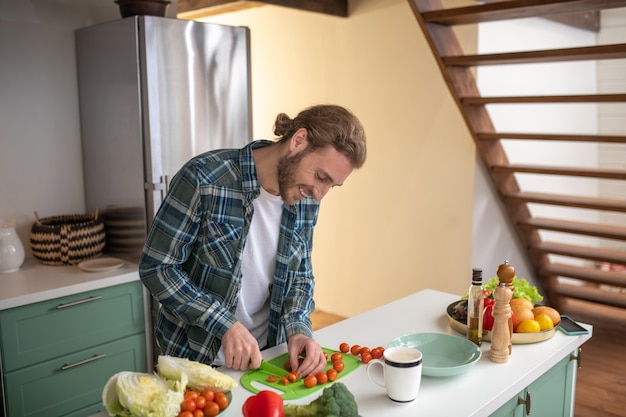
{"points": [[264, 404]]}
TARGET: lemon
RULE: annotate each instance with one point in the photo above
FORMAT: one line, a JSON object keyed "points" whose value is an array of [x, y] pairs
{"points": [[528, 326], [545, 322]]}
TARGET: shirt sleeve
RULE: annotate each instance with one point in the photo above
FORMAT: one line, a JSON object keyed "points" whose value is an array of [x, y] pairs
{"points": [[168, 247]]}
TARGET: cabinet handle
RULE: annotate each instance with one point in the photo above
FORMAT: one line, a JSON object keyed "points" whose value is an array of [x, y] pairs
{"points": [[83, 362], [79, 302], [578, 358], [525, 402]]}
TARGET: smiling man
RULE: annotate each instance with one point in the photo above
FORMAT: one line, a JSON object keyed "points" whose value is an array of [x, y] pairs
{"points": [[228, 256]]}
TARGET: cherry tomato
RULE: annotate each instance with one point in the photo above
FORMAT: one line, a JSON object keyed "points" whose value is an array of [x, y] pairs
{"points": [[325, 356], [188, 405], [366, 357], [355, 349], [377, 353], [208, 394], [200, 402], [283, 381], [221, 400], [287, 365], [211, 409], [321, 377], [272, 378], [185, 414], [338, 366], [198, 413], [337, 356], [344, 347], [332, 374], [363, 350], [292, 377], [191, 395], [310, 381]]}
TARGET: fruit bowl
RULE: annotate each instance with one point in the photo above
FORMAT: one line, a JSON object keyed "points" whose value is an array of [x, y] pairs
{"points": [[516, 339]]}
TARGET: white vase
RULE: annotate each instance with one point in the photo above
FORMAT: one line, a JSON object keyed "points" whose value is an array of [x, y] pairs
{"points": [[11, 250]]}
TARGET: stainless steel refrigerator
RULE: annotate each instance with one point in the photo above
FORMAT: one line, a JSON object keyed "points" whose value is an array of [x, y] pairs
{"points": [[154, 92]]}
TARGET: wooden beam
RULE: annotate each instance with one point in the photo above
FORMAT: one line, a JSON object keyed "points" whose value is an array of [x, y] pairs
{"points": [[192, 9]]}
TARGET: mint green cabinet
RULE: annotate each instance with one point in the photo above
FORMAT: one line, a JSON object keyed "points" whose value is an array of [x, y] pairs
{"points": [[58, 354], [551, 395]]}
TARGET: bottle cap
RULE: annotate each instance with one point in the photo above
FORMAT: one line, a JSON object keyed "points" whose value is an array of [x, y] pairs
{"points": [[477, 275]]}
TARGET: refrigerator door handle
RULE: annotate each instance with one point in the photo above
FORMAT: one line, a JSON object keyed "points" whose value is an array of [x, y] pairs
{"points": [[162, 185]]}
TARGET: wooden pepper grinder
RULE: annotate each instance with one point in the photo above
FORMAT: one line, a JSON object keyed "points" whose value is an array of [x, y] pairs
{"points": [[502, 322]]}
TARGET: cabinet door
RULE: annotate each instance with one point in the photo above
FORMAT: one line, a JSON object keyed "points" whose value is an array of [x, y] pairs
{"points": [[72, 385], [511, 408]]}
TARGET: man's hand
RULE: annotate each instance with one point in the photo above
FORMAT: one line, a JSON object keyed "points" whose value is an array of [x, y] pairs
{"points": [[241, 350], [314, 360]]}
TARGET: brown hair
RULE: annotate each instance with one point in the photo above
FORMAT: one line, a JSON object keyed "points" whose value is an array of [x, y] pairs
{"points": [[327, 125]]}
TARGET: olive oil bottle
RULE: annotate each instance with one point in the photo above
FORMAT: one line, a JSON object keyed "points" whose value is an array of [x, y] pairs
{"points": [[475, 305]]}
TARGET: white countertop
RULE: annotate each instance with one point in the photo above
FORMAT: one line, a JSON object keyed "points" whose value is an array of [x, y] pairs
{"points": [[478, 392], [36, 282]]}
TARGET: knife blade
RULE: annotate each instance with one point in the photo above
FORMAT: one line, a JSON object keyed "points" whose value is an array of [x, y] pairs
{"points": [[273, 369]]}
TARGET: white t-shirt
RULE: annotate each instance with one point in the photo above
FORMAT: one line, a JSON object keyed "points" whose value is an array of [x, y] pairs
{"points": [[257, 268]]}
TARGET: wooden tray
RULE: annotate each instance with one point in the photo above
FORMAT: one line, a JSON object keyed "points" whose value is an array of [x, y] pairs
{"points": [[516, 339]]}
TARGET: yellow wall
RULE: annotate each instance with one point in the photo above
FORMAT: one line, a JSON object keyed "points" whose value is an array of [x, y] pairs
{"points": [[403, 222]]}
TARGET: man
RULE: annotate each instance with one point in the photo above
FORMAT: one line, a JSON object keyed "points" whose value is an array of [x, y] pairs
{"points": [[229, 253]]}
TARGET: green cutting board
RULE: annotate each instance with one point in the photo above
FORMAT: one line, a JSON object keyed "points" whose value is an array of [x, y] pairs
{"points": [[296, 389]]}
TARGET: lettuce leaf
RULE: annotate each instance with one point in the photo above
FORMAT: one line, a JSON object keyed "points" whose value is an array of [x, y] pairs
{"points": [[521, 289]]}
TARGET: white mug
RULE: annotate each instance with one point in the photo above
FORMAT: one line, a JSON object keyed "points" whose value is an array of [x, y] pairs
{"points": [[402, 370]]}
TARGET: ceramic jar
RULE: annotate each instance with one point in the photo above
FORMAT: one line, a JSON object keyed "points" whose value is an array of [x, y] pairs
{"points": [[11, 248]]}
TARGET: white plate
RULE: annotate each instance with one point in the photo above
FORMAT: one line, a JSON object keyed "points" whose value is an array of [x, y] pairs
{"points": [[100, 265]]}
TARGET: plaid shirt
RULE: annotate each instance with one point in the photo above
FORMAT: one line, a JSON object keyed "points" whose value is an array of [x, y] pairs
{"points": [[191, 262]]}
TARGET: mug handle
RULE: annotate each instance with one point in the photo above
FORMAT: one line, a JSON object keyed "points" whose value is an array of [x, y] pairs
{"points": [[372, 363]]}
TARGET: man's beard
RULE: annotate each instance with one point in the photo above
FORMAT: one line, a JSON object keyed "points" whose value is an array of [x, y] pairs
{"points": [[287, 168]]}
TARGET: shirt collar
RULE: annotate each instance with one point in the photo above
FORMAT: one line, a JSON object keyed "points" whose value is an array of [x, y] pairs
{"points": [[250, 180]]}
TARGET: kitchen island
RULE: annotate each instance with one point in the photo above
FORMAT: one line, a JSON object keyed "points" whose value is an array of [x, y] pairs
{"points": [[545, 371]]}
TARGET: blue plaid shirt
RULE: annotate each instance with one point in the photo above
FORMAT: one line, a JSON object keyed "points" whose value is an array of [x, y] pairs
{"points": [[191, 262]]}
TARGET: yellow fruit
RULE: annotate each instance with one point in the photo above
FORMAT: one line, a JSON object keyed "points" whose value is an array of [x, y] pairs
{"points": [[521, 313], [522, 302], [528, 326], [550, 312], [545, 322]]}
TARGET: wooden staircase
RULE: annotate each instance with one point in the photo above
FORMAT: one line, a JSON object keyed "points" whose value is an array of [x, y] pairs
{"points": [[566, 272]]}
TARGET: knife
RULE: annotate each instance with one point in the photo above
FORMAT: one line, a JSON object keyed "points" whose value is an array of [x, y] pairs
{"points": [[273, 369]]}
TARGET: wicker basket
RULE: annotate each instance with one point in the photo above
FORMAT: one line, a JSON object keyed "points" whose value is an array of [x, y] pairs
{"points": [[67, 239]]}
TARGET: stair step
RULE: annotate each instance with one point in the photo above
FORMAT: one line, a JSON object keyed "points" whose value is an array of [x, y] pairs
{"points": [[515, 9], [584, 252], [585, 53], [585, 273], [551, 137], [592, 172], [580, 98], [608, 204], [590, 293], [582, 228]]}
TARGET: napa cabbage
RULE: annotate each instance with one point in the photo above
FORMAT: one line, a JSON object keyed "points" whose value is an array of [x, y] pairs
{"points": [[200, 376], [136, 394]]}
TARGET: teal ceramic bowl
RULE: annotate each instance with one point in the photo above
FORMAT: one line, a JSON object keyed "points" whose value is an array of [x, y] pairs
{"points": [[443, 354]]}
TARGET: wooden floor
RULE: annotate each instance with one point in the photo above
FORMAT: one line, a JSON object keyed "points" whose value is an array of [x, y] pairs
{"points": [[601, 380]]}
